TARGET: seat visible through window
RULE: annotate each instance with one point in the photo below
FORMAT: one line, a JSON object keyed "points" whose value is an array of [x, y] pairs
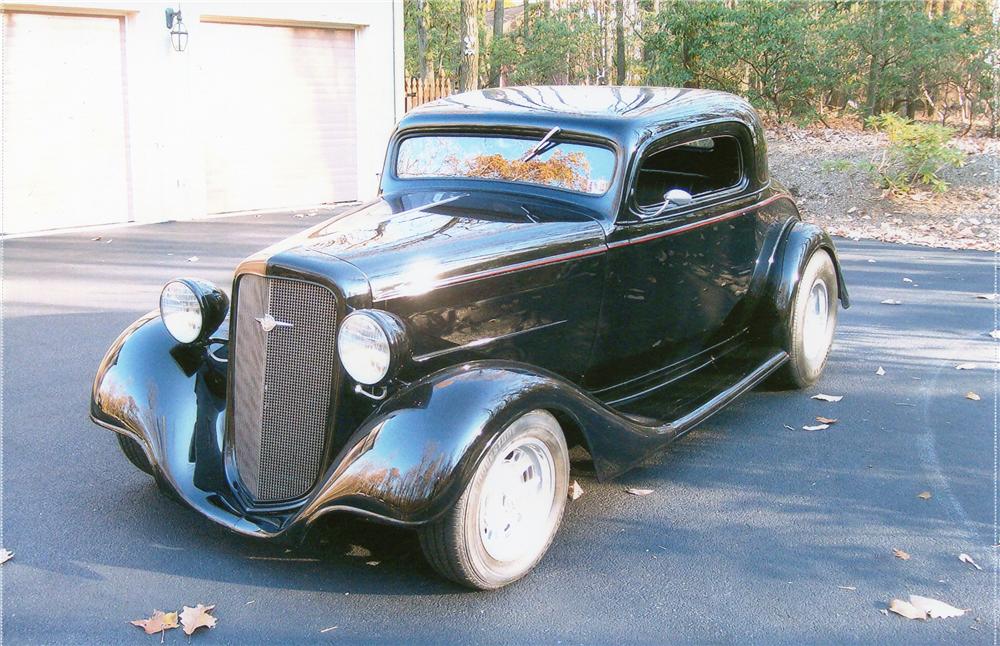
{"points": [[698, 167]]}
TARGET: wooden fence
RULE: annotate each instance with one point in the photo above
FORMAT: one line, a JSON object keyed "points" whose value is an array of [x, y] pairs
{"points": [[419, 91]]}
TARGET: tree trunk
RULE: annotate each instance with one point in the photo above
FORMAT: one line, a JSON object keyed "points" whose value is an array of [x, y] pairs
{"points": [[497, 36], [874, 69], [468, 76], [422, 39], [620, 63]]}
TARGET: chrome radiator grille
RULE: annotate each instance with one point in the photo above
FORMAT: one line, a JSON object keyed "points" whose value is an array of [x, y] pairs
{"points": [[283, 379]]}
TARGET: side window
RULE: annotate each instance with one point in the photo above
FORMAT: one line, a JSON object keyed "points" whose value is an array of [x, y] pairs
{"points": [[697, 167]]}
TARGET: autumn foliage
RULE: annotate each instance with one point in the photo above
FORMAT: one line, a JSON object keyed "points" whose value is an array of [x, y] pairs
{"points": [[564, 170]]}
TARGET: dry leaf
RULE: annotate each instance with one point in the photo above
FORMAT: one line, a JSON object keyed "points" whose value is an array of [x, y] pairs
{"points": [[326, 630], [575, 490], [880, 371], [965, 558], [847, 587], [828, 398], [987, 297], [193, 259], [907, 280], [817, 427], [790, 428], [900, 554], [924, 495], [935, 609], [906, 609], [825, 420], [639, 492], [5, 555], [973, 396], [965, 366], [891, 301], [197, 617], [372, 563], [995, 334], [159, 622]]}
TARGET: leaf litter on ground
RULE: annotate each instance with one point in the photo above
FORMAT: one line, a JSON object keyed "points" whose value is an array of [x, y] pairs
{"points": [[828, 398], [919, 607], [575, 490], [197, 617], [638, 492], [965, 558], [900, 554]]}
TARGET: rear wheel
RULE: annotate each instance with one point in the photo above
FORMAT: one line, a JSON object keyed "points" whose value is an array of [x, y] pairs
{"points": [[811, 324], [134, 453], [506, 518]]}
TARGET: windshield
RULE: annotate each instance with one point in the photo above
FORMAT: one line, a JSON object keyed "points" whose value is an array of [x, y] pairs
{"points": [[571, 166]]}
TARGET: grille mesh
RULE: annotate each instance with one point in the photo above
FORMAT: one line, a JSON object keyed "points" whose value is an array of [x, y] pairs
{"points": [[283, 382]]}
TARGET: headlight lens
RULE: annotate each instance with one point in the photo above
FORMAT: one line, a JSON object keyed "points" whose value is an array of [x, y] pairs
{"points": [[192, 309], [371, 345]]}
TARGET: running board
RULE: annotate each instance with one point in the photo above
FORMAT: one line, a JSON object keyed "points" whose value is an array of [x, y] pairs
{"points": [[683, 425]]}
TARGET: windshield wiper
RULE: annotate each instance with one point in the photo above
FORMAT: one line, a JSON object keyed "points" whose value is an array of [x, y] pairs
{"points": [[535, 150]]}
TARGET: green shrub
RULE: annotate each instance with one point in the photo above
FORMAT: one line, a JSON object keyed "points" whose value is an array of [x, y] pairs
{"points": [[917, 152], [837, 165]]}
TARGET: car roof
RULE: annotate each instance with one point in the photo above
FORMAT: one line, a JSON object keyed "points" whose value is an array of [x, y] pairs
{"points": [[619, 113]]}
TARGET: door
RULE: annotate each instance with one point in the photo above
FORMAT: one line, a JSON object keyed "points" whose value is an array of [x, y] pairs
{"points": [[280, 116], [64, 131], [679, 271]]}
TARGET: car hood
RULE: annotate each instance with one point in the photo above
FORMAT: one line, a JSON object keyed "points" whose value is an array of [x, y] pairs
{"points": [[408, 244]]}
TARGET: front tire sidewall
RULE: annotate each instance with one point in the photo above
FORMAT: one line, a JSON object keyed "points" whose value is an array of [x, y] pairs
{"points": [[453, 543], [803, 370], [541, 426]]}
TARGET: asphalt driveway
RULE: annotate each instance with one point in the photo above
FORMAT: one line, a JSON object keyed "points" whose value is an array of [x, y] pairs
{"points": [[754, 532]]}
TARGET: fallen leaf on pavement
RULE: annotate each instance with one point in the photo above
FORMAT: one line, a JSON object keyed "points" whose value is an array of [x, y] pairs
{"points": [[817, 427], [372, 563], [197, 617], [924, 495], [880, 371], [825, 420], [965, 366], [907, 280], [575, 490], [965, 558], [639, 492], [900, 554], [935, 609], [193, 259], [828, 398], [973, 396], [790, 428], [891, 301], [159, 622], [987, 297], [995, 334], [847, 587], [326, 630], [906, 609], [5, 555]]}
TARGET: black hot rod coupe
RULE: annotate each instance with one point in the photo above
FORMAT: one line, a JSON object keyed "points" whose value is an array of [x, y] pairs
{"points": [[545, 267]]}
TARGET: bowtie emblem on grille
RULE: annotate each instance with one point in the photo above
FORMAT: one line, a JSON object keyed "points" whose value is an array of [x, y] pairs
{"points": [[268, 323]]}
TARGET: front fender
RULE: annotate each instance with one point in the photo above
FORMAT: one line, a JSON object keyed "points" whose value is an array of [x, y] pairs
{"points": [[413, 458]]}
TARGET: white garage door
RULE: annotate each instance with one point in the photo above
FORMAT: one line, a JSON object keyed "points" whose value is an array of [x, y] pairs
{"points": [[64, 131], [280, 116]]}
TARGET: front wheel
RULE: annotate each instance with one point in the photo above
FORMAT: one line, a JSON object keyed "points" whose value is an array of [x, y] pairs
{"points": [[510, 511], [811, 323]]}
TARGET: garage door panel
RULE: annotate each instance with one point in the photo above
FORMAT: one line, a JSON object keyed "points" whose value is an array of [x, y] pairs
{"points": [[280, 116], [64, 132]]}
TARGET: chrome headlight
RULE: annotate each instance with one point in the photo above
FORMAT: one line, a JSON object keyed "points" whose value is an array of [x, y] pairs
{"points": [[372, 345], [192, 309]]}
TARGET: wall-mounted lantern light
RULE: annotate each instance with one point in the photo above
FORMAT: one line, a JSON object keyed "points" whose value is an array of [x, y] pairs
{"points": [[178, 32]]}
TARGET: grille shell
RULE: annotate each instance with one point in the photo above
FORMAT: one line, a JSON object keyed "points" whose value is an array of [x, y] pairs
{"points": [[284, 384]]}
